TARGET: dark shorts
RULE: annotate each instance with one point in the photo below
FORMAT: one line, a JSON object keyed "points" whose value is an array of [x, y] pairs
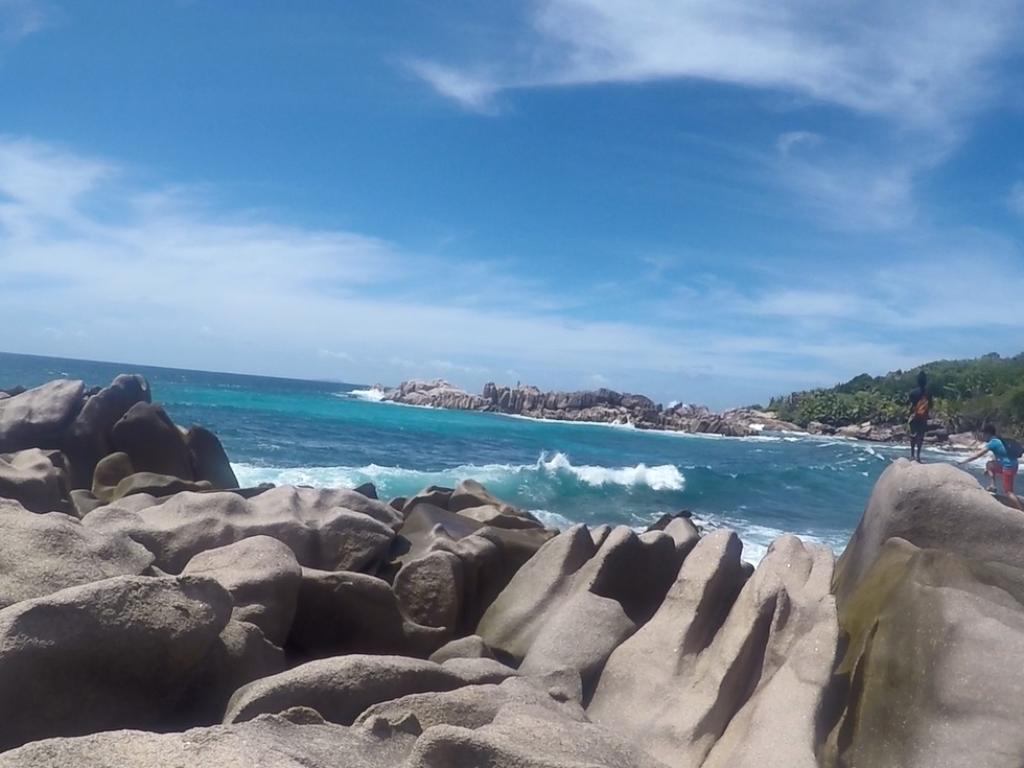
{"points": [[918, 427]]}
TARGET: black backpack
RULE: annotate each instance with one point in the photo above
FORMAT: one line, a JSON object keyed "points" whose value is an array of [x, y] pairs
{"points": [[1013, 449]]}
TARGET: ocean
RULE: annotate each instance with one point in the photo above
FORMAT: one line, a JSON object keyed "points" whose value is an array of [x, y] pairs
{"points": [[334, 434]]}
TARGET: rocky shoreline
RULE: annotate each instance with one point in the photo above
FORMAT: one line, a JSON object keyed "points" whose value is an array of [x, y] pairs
{"points": [[605, 406], [155, 615]]}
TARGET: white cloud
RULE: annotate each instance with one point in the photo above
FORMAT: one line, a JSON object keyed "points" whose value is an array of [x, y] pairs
{"points": [[790, 140], [21, 18], [94, 266], [329, 354], [472, 90], [855, 191], [1016, 198], [918, 61]]}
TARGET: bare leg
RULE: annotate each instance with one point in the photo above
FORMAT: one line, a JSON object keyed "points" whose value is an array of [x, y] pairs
{"points": [[1014, 500], [991, 479]]}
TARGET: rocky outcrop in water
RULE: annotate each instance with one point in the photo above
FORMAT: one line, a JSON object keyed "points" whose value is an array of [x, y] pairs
{"points": [[297, 626], [601, 405]]}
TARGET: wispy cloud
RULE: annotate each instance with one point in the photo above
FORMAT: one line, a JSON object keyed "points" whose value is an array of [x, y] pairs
{"points": [[95, 265], [1015, 200], [21, 18], [790, 140], [918, 61], [913, 72], [473, 91]]}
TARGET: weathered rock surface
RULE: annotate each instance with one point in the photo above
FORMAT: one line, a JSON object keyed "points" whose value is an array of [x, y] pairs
{"points": [[527, 737], [32, 478], [108, 472], [715, 659], [933, 506], [152, 441], [320, 533], [471, 706], [88, 437], [429, 590], [574, 602], [601, 405], [118, 653], [263, 578], [266, 742], [931, 595], [489, 556], [44, 553], [209, 460], [344, 612], [340, 688], [468, 647], [240, 655], [38, 417]]}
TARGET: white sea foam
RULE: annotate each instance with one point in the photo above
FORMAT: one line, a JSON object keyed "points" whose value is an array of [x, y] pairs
{"points": [[373, 394], [665, 477], [552, 519], [758, 538]]}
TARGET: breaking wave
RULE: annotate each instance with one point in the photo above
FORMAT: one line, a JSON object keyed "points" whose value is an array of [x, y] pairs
{"points": [[398, 481]]}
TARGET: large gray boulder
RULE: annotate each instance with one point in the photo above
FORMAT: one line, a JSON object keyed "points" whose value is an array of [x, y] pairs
{"points": [[44, 553], [727, 664], [154, 443], [118, 653], [513, 620], [932, 663], [469, 494], [575, 602], [32, 478], [266, 742], [88, 437], [429, 590], [933, 506], [108, 473], [468, 647], [155, 485], [471, 706], [340, 688], [240, 655], [523, 736], [322, 535], [490, 556], [313, 503], [792, 692], [38, 417], [931, 596], [702, 671], [263, 578], [344, 612], [209, 460]]}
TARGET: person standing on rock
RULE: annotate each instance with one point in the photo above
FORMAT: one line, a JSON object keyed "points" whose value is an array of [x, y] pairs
{"points": [[1006, 455], [920, 400]]}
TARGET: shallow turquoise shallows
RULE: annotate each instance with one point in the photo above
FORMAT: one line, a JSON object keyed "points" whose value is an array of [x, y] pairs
{"points": [[322, 433]]}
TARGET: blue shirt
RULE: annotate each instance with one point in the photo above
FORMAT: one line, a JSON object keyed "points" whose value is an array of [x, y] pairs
{"points": [[999, 451]]}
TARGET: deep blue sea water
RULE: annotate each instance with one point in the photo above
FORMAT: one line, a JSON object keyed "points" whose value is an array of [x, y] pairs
{"points": [[320, 433]]}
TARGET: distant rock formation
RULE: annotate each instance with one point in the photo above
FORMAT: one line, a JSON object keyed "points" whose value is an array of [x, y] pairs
{"points": [[604, 406]]}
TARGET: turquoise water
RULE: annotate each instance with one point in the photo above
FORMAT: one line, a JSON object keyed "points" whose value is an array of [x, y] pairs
{"points": [[319, 433]]}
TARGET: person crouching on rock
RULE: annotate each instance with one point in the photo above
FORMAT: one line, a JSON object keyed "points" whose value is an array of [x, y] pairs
{"points": [[920, 400], [1005, 461]]}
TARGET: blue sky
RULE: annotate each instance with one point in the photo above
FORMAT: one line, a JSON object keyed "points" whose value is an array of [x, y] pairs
{"points": [[703, 200]]}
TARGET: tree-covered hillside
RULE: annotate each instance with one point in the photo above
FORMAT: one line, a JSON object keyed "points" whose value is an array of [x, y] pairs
{"points": [[967, 394]]}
